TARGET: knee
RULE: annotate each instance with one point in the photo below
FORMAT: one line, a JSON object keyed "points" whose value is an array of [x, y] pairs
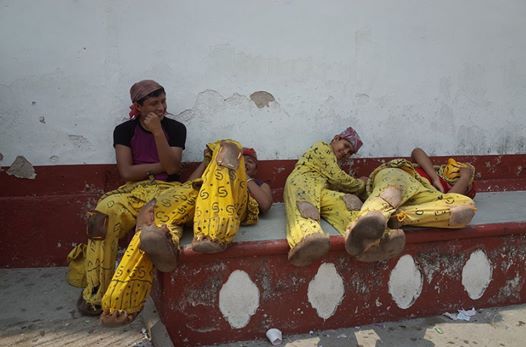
{"points": [[308, 210], [392, 195], [462, 215], [352, 202], [97, 225]]}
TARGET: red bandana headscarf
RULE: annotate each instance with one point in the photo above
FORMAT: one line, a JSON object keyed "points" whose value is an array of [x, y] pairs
{"points": [[352, 136], [138, 91], [251, 152]]}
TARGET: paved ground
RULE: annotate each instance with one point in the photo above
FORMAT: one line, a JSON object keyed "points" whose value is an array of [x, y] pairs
{"points": [[496, 327], [38, 309]]}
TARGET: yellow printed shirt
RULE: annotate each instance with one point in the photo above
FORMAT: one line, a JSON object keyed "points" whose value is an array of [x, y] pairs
{"points": [[320, 164]]}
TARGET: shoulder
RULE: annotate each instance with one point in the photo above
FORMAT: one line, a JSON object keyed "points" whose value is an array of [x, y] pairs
{"points": [[172, 124], [126, 126], [123, 133]]}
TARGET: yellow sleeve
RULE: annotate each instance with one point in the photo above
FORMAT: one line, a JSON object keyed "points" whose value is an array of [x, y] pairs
{"points": [[321, 158]]}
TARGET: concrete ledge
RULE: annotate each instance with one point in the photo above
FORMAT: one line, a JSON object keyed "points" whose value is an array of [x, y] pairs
{"points": [[47, 215], [251, 286]]}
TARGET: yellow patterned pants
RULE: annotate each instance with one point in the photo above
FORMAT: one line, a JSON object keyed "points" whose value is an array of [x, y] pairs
{"points": [[311, 188], [121, 206], [132, 281], [420, 204], [221, 202]]}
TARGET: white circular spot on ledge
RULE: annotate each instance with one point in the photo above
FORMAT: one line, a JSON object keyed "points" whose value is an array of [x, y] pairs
{"points": [[405, 282], [238, 299], [476, 274], [326, 290]]}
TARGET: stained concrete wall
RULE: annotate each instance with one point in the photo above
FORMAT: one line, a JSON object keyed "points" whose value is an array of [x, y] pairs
{"points": [[445, 75]]}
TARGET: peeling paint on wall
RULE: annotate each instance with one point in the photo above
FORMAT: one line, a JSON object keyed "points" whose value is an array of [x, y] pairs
{"points": [[22, 168], [326, 290], [238, 299], [262, 98], [405, 282], [476, 274]]}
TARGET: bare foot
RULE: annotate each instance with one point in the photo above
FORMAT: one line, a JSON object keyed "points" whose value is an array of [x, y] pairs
{"points": [[116, 319], [370, 226], [311, 248], [386, 248]]}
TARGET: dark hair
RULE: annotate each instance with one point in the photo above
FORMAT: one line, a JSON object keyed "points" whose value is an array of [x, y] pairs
{"points": [[153, 94]]}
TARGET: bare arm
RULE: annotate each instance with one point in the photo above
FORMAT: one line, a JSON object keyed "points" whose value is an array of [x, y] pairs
{"points": [[461, 186], [421, 158], [262, 194], [130, 172], [198, 172], [170, 157]]}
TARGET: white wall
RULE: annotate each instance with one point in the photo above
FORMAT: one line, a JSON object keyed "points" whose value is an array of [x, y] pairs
{"points": [[447, 75]]}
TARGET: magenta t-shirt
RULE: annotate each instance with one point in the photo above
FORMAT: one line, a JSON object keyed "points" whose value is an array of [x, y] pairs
{"points": [[142, 142]]}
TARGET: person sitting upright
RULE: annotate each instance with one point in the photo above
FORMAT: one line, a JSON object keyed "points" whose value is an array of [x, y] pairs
{"points": [[148, 151]]}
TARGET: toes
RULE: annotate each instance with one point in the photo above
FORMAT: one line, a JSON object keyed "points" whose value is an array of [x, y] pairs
{"points": [[146, 214]]}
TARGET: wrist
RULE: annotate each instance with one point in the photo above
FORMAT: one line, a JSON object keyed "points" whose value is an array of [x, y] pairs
{"points": [[157, 132]]}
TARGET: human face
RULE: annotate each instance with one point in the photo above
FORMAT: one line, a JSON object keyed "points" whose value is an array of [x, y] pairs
{"points": [[250, 165], [155, 104], [341, 148]]}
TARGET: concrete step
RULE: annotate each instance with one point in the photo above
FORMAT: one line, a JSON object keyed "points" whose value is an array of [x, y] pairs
{"points": [[238, 294]]}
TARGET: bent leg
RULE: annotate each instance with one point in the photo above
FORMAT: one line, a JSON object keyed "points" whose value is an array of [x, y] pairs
{"points": [[339, 209], [392, 188], [223, 198], [132, 281], [436, 210], [113, 218]]}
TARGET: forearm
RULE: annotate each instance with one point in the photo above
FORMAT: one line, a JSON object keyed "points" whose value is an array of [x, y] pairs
{"points": [[422, 159], [139, 172], [170, 161], [345, 183], [198, 172], [262, 194], [461, 185]]}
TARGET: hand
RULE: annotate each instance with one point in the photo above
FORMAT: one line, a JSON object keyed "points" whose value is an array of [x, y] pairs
{"points": [[466, 171], [152, 123], [437, 184], [207, 155]]}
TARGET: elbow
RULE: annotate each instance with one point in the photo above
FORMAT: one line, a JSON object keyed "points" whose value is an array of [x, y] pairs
{"points": [[417, 151], [173, 169], [125, 175], [265, 206]]}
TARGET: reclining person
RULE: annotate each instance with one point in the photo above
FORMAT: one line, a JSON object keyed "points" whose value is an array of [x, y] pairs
{"points": [[453, 177], [400, 195], [222, 193]]}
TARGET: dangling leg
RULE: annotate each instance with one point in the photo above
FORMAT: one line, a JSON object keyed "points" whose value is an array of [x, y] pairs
{"points": [[132, 281], [112, 219], [307, 241]]}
